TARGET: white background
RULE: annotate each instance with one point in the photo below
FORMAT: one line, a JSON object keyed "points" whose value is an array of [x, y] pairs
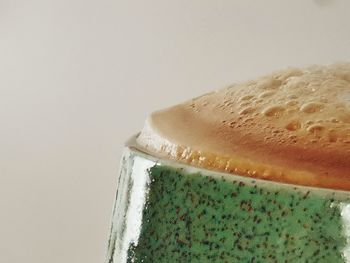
{"points": [[78, 77]]}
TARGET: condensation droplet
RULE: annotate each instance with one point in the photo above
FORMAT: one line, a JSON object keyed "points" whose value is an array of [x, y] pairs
{"points": [[274, 111]]}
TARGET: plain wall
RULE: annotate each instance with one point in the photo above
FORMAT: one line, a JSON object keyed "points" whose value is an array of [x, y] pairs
{"points": [[78, 77]]}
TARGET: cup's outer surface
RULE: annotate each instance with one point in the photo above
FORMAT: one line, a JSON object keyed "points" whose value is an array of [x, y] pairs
{"points": [[169, 212]]}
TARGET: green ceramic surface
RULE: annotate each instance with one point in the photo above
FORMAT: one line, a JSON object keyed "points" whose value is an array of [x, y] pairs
{"points": [[192, 215]]}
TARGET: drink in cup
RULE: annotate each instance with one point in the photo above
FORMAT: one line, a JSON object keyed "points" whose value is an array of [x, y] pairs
{"points": [[255, 172]]}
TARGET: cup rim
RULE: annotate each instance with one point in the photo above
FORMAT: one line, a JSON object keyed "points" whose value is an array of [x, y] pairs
{"points": [[132, 145]]}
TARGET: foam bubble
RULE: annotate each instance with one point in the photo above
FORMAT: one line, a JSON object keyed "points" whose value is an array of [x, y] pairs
{"points": [[292, 103], [266, 94], [312, 107], [293, 125], [274, 111], [246, 97], [316, 128], [247, 110]]}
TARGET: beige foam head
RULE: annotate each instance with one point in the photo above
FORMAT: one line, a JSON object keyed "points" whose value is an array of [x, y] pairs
{"points": [[292, 126]]}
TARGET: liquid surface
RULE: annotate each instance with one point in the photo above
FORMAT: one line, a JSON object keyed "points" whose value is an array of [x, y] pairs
{"points": [[292, 126]]}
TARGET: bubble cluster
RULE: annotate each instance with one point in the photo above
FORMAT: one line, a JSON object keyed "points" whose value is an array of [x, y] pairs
{"points": [[307, 103], [295, 102]]}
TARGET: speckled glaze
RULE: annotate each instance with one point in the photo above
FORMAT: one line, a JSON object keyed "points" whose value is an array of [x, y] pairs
{"points": [[166, 212]]}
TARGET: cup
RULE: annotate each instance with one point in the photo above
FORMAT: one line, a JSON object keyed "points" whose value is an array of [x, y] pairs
{"points": [[255, 172], [167, 211]]}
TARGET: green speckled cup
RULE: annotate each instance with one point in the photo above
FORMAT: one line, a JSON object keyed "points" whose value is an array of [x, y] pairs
{"points": [[170, 212]]}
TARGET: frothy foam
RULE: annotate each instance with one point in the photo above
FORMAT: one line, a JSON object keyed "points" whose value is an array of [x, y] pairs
{"points": [[291, 126]]}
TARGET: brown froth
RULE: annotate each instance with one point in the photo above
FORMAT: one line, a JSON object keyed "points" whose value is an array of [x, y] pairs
{"points": [[292, 126]]}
